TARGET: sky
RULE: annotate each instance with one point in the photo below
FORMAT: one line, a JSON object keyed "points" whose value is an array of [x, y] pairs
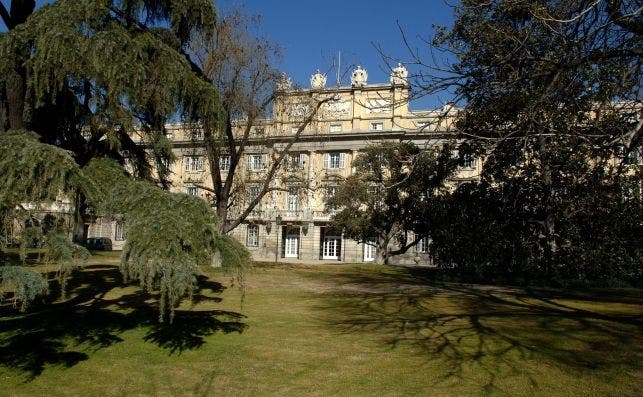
{"points": [[314, 33]]}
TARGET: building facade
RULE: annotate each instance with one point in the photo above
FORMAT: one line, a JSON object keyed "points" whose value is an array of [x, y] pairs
{"points": [[292, 221]]}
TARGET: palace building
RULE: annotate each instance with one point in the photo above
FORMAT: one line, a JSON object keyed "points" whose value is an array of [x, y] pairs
{"points": [[292, 221]]}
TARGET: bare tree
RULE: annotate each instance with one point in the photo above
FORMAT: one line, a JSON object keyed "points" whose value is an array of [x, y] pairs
{"points": [[240, 63]]}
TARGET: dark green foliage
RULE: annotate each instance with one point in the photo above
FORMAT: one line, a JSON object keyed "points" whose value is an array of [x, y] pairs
{"points": [[36, 175], [169, 234], [90, 78], [549, 89], [25, 285], [389, 194]]}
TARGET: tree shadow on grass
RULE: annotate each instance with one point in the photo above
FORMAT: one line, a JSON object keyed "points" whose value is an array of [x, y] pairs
{"points": [[99, 308], [489, 333]]}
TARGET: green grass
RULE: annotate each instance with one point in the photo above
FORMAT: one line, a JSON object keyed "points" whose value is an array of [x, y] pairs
{"points": [[325, 330]]}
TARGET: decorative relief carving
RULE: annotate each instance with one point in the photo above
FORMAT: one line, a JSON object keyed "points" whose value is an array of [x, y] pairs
{"points": [[299, 110], [378, 106], [337, 109]]}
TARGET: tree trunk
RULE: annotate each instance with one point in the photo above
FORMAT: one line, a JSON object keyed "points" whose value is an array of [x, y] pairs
{"points": [[547, 242], [79, 233], [15, 88]]}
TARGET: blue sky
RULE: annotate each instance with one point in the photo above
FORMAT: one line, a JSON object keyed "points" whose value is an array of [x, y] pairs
{"points": [[312, 33]]}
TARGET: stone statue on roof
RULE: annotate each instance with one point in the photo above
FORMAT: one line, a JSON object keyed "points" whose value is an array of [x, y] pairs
{"points": [[359, 77], [399, 75], [318, 80]]}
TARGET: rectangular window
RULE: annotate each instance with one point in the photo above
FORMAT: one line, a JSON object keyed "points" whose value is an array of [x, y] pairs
{"points": [[192, 190], [292, 200], [260, 131], [335, 127], [251, 194], [194, 163], [295, 162], [252, 237], [334, 160], [257, 162], [422, 246], [376, 126], [224, 163], [469, 162], [120, 233], [331, 191]]}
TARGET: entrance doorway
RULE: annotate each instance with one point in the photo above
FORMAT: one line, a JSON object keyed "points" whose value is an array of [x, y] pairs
{"points": [[291, 240], [370, 249], [330, 246]]}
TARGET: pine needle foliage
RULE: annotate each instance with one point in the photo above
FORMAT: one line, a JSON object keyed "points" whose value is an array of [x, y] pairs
{"points": [[169, 235], [36, 174]]}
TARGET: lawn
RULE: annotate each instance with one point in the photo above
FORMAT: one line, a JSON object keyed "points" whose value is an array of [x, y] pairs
{"points": [[325, 330]]}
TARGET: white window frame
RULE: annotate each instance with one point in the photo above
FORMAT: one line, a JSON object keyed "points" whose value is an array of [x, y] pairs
{"points": [[252, 236], [252, 191], [331, 191], [194, 163], [257, 162], [191, 189], [334, 160], [295, 162], [422, 247], [469, 161], [120, 232], [293, 202], [376, 126], [224, 163]]}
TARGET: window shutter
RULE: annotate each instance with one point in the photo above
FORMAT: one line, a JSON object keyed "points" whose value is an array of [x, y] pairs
{"points": [[264, 161], [342, 159], [187, 164], [326, 160]]}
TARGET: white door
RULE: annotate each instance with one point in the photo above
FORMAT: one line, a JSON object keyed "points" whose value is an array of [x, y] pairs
{"points": [[370, 249], [291, 246], [331, 247]]}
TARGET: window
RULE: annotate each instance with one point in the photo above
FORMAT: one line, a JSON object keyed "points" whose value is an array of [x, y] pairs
{"points": [[295, 162], [469, 161], [335, 127], [194, 163], [294, 129], [292, 200], [260, 131], [224, 163], [334, 160], [257, 162], [377, 196], [635, 157], [422, 246], [376, 126], [251, 194], [169, 135], [252, 236], [192, 190], [120, 233], [331, 191]]}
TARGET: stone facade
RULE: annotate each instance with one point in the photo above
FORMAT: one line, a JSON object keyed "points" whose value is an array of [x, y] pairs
{"points": [[294, 223]]}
